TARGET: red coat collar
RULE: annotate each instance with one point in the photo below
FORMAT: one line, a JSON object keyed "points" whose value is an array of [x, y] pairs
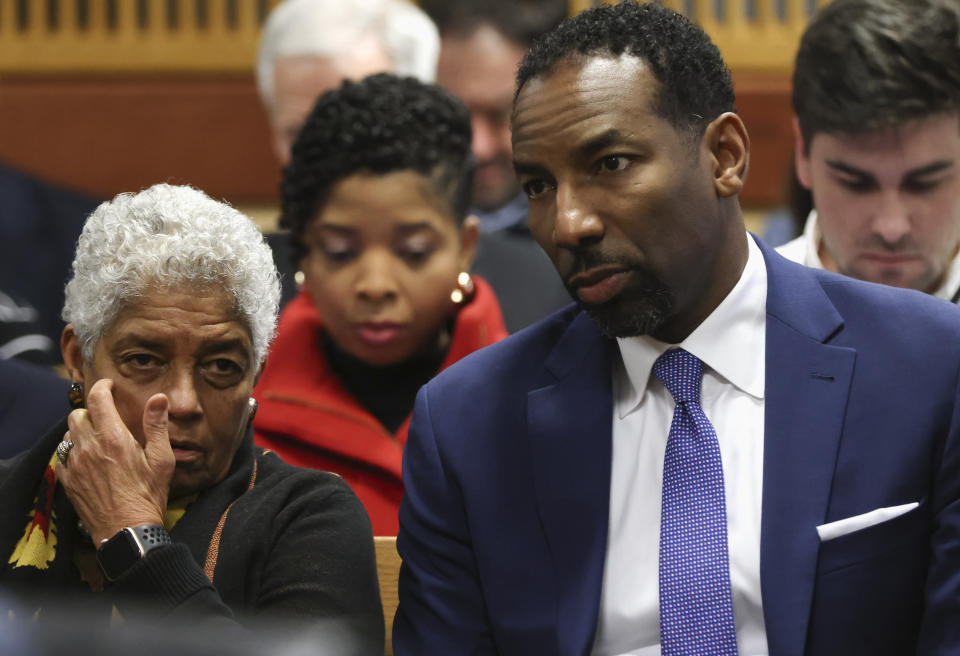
{"points": [[302, 399]]}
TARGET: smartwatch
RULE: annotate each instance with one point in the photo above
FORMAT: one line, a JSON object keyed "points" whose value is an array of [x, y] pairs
{"points": [[119, 553]]}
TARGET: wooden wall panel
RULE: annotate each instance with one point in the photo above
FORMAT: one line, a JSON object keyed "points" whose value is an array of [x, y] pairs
{"points": [[763, 101], [84, 36], [109, 134], [104, 135]]}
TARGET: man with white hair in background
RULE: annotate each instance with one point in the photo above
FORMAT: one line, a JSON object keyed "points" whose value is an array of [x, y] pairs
{"points": [[309, 46]]}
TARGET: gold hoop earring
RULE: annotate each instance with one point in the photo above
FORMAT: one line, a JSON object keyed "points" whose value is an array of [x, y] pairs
{"points": [[464, 290]]}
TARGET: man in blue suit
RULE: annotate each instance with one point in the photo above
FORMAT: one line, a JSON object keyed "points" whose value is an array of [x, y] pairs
{"points": [[716, 451]]}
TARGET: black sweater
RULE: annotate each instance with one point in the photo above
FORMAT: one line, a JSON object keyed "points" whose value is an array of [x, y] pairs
{"points": [[295, 546]]}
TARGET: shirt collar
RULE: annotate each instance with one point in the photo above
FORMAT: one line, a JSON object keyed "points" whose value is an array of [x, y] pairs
{"points": [[731, 340], [811, 242], [811, 239], [951, 281]]}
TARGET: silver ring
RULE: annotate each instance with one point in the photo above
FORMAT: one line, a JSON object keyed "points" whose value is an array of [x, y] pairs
{"points": [[63, 451]]}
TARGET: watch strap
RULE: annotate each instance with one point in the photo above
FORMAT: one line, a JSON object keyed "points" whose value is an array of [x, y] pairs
{"points": [[130, 544], [151, 536]]}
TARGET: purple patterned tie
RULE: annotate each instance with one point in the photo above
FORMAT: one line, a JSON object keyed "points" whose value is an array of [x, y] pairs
{"points": [[696, 604]]}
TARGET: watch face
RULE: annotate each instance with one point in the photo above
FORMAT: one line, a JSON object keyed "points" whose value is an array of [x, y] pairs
{"points": [[118, 554]]}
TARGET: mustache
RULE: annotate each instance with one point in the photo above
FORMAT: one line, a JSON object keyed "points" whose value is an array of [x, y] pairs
{"points": [[588, 259], [906, 243], [640, 309]]}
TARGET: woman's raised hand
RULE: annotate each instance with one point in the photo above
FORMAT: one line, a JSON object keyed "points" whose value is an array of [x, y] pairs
{"points": [[110, 478]]}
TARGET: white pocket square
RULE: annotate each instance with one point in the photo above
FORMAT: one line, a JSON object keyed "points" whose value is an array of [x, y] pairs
{"points": [[859, 522]]}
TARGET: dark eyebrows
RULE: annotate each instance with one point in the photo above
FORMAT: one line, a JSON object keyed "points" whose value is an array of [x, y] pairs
{"points": [[919, 172], [235, 344], [842, 167], [403, 228], [521, 168], [213, 348], [418, 226], [930, 169], [139, 342], [586, 150], [600, 142], [347, 231]]}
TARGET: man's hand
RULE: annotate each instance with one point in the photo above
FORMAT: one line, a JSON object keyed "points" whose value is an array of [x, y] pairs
{"points": [[111, 479]]}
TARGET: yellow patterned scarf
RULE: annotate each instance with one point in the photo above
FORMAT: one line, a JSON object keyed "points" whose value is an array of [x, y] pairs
{"points": [[38, 546]]}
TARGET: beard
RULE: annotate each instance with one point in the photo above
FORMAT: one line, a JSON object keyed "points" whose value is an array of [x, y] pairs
{"points": [[640, 309]]}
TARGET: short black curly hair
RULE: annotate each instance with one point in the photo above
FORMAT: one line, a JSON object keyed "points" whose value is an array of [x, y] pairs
{"points": [[695, 84], [379, 125]]}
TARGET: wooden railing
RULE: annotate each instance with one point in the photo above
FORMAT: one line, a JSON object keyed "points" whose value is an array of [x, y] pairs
{"points": [[757, 35], [66, 36]]}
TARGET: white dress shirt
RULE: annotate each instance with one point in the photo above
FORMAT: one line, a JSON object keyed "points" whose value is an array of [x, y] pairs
{"points": [[731, 342], [805, 250]]}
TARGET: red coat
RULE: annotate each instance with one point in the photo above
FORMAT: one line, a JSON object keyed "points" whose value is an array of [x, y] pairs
{"points": [[310, 420]]}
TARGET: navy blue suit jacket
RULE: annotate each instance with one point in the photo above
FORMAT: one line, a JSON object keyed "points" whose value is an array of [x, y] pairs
{"points": [[32, 400], [39, 227], [503, 525]]}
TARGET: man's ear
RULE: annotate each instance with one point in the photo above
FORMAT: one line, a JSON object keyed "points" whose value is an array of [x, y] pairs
{"points": [[72, 353], [469, 233], [729, 145], [801, 159]]}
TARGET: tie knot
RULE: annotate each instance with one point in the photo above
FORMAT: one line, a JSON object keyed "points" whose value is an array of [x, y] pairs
{"points": [[681, 373]]}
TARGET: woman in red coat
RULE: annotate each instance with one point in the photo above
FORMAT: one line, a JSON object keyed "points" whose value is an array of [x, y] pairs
{"points": [[375, 198]]}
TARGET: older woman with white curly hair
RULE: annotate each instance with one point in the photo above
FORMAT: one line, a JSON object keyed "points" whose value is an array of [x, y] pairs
{"points": [[152, 491]]}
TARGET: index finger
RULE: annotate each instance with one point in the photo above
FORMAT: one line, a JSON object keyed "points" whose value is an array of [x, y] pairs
{"points": [[102, 410]]}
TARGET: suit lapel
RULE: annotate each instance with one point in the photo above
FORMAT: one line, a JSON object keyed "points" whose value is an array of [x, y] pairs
{"points": [[807, 384], [570, 424]]}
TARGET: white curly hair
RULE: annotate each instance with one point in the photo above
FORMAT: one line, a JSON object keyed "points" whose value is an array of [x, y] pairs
{"points": [[169, 236]]}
